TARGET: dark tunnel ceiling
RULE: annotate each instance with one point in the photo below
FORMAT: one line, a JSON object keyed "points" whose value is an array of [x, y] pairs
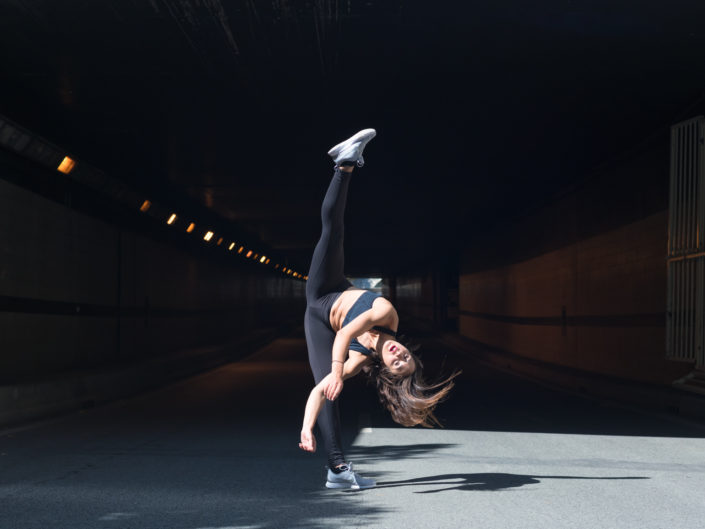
{"points": [[482, 109]]}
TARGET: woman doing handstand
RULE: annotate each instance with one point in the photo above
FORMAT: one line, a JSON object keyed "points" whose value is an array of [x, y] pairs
{"points": [[348, 328]]}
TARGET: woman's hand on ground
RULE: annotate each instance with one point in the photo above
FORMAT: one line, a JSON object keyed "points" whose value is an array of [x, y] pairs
{"points": [[308, 441], [333, 387]]}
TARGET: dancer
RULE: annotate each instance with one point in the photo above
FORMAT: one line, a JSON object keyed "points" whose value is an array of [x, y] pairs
{"points": [[348, 329]]}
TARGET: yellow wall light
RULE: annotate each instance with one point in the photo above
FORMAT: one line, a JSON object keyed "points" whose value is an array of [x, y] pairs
{"points": [[232, 245], [208, 236], [172, 219], [66, 165], [263, 259]]}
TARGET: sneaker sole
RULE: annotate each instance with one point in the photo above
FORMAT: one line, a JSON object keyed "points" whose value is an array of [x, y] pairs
{"points": [[357, 137], [333, 485]]}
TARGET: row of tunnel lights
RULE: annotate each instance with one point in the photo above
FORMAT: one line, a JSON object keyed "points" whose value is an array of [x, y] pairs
{"points": [[67, 165]]}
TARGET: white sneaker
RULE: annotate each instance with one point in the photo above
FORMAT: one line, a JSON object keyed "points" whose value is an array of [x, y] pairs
{"points": [[347, 479], [351, 149]]}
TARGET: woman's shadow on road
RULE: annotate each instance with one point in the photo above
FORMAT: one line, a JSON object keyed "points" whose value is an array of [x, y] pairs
{"points": [[458, 481], [481, 481]]}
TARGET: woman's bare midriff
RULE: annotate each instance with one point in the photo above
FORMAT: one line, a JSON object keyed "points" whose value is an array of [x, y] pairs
{"points": [[345, 302], [342, 305]]}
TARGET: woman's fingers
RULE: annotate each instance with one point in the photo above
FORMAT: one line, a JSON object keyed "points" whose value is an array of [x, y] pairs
{"points": [[333, 390], [308, 442]]}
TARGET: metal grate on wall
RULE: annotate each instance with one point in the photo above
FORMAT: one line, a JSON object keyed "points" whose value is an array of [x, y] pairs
{"points": [[686, 248]]}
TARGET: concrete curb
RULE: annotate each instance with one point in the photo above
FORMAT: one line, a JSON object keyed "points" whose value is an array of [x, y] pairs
{"points": [[653, 397], [30, 401]]}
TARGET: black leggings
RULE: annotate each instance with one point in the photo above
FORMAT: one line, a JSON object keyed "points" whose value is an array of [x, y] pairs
{"points": [[326, 281]]}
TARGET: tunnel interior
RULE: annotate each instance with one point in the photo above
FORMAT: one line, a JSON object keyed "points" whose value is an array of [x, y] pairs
{"points": [[533, 206]]}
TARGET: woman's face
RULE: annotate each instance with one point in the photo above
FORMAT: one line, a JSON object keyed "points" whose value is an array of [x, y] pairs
{"points": [[397, 358]]}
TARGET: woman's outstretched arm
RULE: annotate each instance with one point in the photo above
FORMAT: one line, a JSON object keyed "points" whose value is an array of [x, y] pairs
{"points": [[317, 398]]}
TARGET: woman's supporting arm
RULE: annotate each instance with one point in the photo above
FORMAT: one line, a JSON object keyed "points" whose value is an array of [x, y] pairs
{"points": [[313, 408]]}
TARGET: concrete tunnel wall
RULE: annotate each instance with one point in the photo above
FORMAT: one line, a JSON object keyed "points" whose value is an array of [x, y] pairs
{"points": [[134, 297], [581, 281], [92, 311], [415, 295]]}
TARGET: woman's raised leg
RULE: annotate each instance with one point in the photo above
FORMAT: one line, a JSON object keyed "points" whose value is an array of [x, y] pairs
{"points": [[326, 273]]}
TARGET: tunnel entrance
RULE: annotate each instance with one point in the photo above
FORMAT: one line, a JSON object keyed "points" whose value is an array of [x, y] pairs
{"points": [[368, 283]]}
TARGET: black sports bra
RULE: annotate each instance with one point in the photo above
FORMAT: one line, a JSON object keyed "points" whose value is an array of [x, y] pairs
{"points": [[363, 304]]}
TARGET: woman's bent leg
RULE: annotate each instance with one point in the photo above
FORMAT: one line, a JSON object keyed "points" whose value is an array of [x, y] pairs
{"points": [[319, 339], [326, 273]]}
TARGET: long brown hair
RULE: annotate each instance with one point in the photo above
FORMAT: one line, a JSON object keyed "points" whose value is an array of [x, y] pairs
{"points": [[409, 399]]}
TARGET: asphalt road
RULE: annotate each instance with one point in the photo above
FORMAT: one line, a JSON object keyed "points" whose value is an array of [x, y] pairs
{"points": [[219, 450]]}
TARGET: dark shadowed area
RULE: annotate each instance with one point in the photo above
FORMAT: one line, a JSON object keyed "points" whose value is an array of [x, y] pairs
{"points": [[482, 109]]}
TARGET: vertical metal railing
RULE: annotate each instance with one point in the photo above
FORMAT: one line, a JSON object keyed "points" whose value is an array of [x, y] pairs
{"points": [[686, 251]]}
